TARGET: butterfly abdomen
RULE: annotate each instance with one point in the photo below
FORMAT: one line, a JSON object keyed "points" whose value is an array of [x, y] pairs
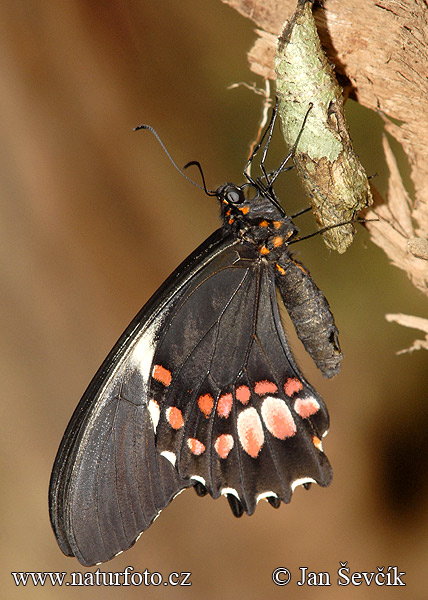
{"points": [[310, 314]]}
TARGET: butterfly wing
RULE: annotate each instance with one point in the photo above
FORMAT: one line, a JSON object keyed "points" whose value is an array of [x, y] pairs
{"points": [[108, 482], [233, 411]]}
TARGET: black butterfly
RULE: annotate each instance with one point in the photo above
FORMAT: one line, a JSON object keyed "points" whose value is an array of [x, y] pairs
{"points": [[201, 390]]}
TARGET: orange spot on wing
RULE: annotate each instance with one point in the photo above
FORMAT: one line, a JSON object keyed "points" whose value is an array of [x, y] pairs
{"points": [[195, 446], [306, 407], [265, 387], [243, 394], [162, 375], [292, 386], [317, 443], [223, 445], [224, 405], [206, 404], [174, 417]]}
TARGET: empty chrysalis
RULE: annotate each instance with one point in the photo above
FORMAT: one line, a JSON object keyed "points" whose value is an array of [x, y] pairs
{"points": [[331, 172]]}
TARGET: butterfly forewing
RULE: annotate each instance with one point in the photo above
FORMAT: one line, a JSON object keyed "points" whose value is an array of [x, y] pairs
{"points": [[108, 482]]}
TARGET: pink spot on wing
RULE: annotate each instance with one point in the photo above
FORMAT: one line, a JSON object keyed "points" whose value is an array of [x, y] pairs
{"points": [[278, 418], [250, 431], [206, 404], [224, 405], [174, 417], [195, 446], [265, 387], [243, 394], [223, 445], [292, 386], [305, 407]]}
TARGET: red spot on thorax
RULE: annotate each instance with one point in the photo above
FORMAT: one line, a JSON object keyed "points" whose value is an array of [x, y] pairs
{"points": [[195, 446], [278, 241], [243, 394], [224, 405], [223, 445], [280, 269], [174, 417], [162, 375], [292, 386], [206, 404], [265, 387]]}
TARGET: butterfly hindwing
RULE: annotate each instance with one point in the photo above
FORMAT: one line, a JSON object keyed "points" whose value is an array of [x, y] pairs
{"points": [[235, 413]]}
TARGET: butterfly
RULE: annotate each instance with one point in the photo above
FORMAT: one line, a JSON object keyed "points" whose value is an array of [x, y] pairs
{"points": [[202, 390]]}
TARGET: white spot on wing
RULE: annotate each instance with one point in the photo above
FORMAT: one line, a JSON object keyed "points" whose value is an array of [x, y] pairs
{"points": [[200, 479], [141, 533], [141, 355], [301, 481], [230, 491], [153, 520], [144, 349], [177, 494], [169, 456], [154, 411], [266, 495]]}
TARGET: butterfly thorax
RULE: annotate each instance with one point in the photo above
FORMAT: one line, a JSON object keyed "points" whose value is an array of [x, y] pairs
{"points": [[257, 220]]}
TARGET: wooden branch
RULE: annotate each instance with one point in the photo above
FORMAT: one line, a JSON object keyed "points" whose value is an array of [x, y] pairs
{"points": [[380, 52]]}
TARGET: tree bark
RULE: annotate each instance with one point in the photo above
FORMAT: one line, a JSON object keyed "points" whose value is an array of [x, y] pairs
{"points": [[380, 52]]}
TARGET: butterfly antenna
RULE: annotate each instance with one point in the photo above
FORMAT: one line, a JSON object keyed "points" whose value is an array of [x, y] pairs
{"points": [[154, 132], [198, 165]]}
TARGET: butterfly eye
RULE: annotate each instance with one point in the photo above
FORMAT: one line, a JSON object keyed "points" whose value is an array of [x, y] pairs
{"points": [[235, 196]]}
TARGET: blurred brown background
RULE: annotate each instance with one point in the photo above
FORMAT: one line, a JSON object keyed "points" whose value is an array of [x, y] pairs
{"points": [[94, 217]]}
